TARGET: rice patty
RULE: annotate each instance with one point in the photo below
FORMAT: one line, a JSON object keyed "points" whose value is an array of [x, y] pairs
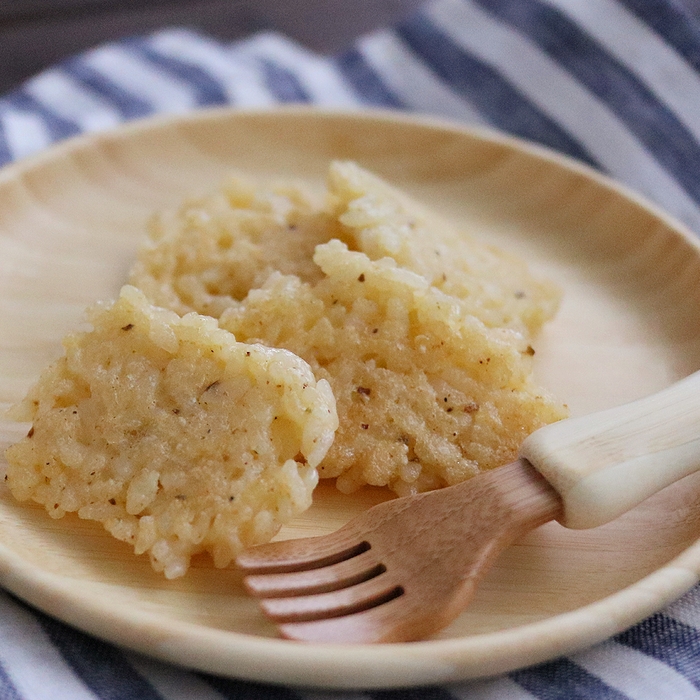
{"points": [[426, 395], [212, 251], [175, 436], [382, 221], [424, 333]]}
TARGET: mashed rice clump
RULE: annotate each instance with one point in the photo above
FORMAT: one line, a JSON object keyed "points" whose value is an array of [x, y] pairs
{"points": [[172, 434], [427, 396], [425, 334], [212, 251]]}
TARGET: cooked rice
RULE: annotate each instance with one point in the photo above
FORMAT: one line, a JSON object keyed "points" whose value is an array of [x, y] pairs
{"points": [[426, 395], [424, 334], [211, 252], [172, 434]]}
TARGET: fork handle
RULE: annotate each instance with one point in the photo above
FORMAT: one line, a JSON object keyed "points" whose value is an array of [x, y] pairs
{"points": [[605, 463]]}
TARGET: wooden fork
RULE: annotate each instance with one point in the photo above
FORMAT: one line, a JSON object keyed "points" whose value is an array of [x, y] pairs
{"points": [[407, 567]]}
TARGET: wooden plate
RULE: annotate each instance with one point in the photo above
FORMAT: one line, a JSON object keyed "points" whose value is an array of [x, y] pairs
{"points": [[630, 324]]}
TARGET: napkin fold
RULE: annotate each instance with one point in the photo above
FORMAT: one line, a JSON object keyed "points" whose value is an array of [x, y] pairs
{"points": [[613, 83]]}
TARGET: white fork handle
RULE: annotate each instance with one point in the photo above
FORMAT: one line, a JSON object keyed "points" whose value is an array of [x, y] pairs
{"points": [[605, 463]]}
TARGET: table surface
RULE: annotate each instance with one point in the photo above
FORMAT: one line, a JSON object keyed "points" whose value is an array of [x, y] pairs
{"points": [[35, 34]]}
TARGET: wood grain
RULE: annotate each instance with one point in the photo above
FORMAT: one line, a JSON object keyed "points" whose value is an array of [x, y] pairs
{"points": [[629, 325]]}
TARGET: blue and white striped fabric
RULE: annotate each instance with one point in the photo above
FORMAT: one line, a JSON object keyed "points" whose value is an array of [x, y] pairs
{"points": [[614, 83]]}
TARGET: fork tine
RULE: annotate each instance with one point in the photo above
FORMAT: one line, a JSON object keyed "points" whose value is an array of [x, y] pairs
{"points": [[346, 573], [378, 624], [345, 601], [402, 618], [301, 554]]}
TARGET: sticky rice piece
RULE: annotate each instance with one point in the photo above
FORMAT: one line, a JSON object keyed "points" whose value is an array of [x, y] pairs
{"points": [[427, 396], [211, 252], [383, 221], [172, 434]]}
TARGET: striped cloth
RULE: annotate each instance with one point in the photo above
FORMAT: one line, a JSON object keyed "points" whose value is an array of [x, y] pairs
{"points": [[614, 83]]}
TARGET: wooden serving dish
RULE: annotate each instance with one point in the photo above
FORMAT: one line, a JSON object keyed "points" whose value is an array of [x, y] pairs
{"points": [[629, 325]]}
